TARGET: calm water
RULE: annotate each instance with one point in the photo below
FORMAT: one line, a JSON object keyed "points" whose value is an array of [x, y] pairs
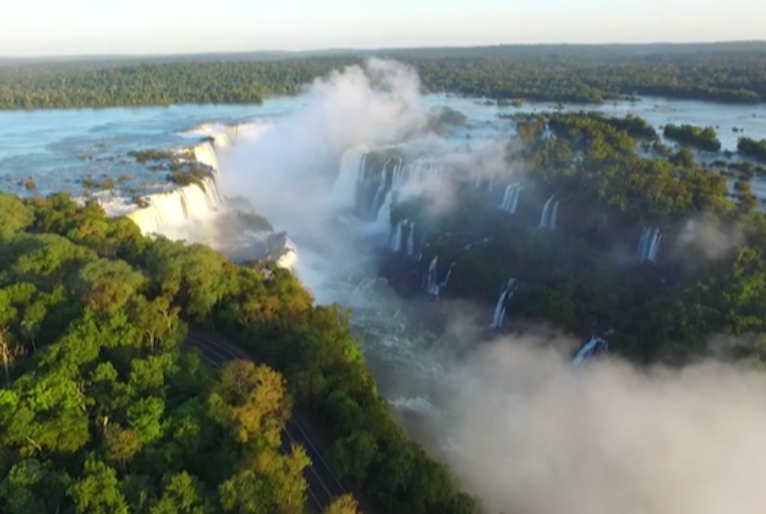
{"points": [[58, 147]]}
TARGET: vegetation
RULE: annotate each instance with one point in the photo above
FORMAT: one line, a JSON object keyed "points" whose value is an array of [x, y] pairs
{"points": [[584, 277], [144, 156], [689, 135], [723, 72], [104, 183], [102, 412], [190, 174], [752, 148]]}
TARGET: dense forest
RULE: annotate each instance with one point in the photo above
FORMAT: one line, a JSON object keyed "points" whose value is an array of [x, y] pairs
{"points": [[585, 276], [102, 410], [724, 73], [752, 148], [688, 135]]}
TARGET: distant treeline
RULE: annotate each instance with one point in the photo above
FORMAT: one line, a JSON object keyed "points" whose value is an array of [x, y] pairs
{"points": [[723, 73]]}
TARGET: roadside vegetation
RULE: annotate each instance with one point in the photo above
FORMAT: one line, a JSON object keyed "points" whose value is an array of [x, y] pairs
{"points": [[102, 411]]}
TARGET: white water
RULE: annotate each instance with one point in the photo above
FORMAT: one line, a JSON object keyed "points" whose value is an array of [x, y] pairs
{"points": [[511, 197], [175, 208], [549, 215], [649, 244], [498, 317]]}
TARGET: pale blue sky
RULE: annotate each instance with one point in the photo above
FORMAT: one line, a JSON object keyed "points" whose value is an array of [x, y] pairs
{"points": [[48, 27]]}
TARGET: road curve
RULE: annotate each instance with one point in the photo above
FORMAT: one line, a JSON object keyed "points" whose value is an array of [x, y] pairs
{"points": [[323, 485]]}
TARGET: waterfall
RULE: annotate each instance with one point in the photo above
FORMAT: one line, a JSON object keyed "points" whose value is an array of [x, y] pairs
{"points": [[511, 198], [398, 175], [289, 256], [432, 287], [549, 214], [649, 244], [175, 207], [554, 216], [191, 202], [384, 213], [411, 240], [654, 247], [351, 166], [396, 237], [205, 153], [380, 197], [499, 314], [595, 345], [444, 282]]}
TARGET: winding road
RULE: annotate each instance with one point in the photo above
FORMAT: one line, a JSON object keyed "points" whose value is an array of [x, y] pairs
{"points": [[323, 485]]}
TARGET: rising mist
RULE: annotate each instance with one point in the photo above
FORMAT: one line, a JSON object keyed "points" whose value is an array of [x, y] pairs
{"points": [[287, 169], [530, 435]]}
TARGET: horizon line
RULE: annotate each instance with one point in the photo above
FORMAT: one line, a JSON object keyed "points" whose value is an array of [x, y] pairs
{"points": [[278, 52]]}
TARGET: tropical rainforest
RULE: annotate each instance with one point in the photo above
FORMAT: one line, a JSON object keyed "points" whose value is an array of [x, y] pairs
{"points": [[584, 277], [717, 72], [104, 409]]}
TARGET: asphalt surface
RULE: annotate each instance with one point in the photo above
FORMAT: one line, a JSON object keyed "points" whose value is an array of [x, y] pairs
{"points": [[323, 485]]}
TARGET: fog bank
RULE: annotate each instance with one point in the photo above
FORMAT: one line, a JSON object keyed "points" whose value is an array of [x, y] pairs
{"points": [[531, 435], [535, 436]]}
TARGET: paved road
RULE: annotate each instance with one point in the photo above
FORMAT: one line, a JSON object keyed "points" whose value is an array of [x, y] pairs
{"points": [[323, 485]]}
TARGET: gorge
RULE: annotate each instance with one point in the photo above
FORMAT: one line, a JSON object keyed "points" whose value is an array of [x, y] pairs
{"points": [[514, 253]]}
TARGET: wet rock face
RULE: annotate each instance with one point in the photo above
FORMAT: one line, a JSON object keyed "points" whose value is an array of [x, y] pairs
{"points": [[401, 272]]}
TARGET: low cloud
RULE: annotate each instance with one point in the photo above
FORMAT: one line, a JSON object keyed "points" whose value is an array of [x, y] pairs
{"points": [[533, 435]]}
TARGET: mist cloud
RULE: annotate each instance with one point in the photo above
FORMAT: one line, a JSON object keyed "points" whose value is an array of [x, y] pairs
{"points": [[703, 239], [287, 168], [535, 436], [532, 435]]}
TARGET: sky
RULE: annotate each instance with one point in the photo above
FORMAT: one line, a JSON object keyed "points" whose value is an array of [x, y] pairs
{"points": [[55, 27]]}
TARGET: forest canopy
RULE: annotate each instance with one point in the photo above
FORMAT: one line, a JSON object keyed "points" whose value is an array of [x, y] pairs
{"points": [[723, 73], [102, 411], [587, 275]]}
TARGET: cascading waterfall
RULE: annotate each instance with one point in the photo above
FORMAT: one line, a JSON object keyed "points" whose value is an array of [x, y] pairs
{"points": [[396, 237], [554, 217], [594, 346], [399, 175], [411, 240], [432, 286], [649, 244], [384, 213], [345, 187], [205, 153], [380, 193], [499, 314], [549, 214], [176, 207], [170, 213], [511, 198]]}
